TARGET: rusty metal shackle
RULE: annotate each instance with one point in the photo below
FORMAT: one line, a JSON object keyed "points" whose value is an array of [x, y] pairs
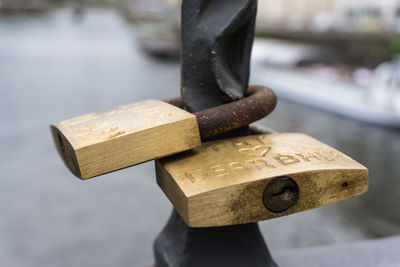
{"points": [[259, 102]]}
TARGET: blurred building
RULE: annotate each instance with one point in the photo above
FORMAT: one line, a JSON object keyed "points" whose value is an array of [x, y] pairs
{"points": [[302, 15], [339, 15], [368, 15], [291, 14], [15, 6]]}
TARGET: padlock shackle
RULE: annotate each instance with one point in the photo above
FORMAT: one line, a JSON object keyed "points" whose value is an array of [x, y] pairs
{"points": [[259, 103]]}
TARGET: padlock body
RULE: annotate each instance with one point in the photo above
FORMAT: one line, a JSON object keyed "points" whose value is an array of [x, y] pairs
{"points": [[103, 142], [254, 178]]}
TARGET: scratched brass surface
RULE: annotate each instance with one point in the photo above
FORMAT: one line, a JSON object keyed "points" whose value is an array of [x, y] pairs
{"points": [[99, 143], [222, 182]]}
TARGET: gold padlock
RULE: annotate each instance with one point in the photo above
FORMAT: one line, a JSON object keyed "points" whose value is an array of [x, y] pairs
{"points": [[103, 142], [254, 178]]}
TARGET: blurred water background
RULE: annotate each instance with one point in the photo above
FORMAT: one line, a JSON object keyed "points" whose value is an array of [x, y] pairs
{"points": [[53, 67]]}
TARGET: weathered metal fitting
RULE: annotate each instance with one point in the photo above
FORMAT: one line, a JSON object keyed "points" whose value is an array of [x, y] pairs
{"points": [[259, 103]]}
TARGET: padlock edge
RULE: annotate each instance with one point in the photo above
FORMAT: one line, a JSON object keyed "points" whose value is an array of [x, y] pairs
{"points": [[172, 191], [66, 151]]}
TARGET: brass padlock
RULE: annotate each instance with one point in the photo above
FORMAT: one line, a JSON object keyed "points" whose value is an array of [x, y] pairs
{"points": [[103, 142], [254, 178]]}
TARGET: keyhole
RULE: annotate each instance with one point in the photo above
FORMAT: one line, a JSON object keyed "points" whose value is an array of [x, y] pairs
{"points": [[281, 194], [286, 194]]}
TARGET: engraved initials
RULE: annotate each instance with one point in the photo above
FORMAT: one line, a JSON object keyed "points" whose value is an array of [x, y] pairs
{"points": [[236, 166], [219, 170], [286, 159], [97, 127], [308, 156], [259, 164], [257, 151]]}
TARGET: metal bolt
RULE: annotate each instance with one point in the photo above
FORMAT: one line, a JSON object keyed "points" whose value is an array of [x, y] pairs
{"points": [[281, 194]]}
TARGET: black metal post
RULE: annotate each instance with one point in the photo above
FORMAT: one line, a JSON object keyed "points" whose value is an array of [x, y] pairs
{"points": [[183, 246], [217, 37]]}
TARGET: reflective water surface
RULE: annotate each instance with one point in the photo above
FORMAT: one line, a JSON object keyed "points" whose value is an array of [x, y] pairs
{"points": [[53, 67]]}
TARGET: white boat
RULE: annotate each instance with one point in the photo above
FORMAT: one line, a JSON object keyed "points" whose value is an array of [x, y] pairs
{"points": [[376, 99]]}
